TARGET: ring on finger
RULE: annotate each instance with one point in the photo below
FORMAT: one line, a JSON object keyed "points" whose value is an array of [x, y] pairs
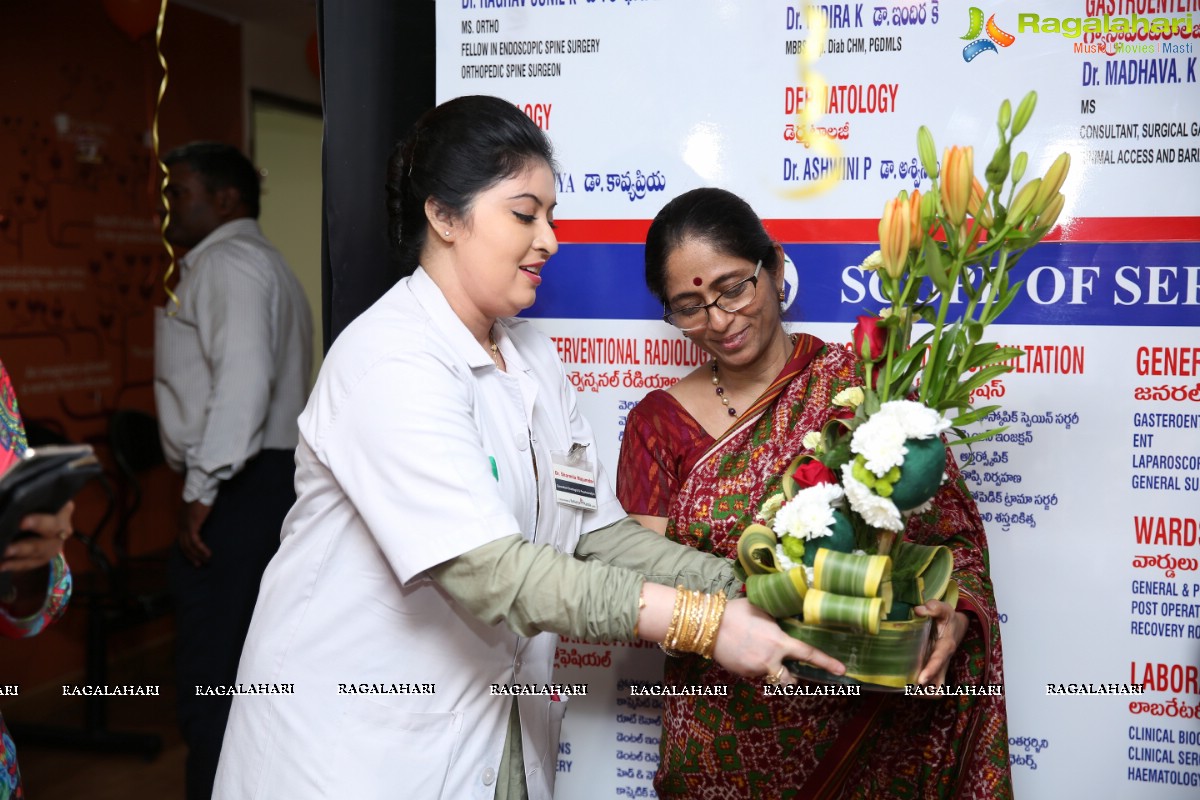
{"points": [[775, 678]]}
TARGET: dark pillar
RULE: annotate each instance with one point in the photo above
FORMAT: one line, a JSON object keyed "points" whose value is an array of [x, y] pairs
{"points": [[377, 77]]}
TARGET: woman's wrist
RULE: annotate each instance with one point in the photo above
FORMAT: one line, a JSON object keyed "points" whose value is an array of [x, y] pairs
{"points": [[27, 592], [695, 621]]}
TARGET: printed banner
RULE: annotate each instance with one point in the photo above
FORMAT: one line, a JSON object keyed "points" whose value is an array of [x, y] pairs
{"points": [[1091, 494]]}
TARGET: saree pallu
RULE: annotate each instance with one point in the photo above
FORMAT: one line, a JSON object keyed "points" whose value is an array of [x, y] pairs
{"points": [[747, 745]]}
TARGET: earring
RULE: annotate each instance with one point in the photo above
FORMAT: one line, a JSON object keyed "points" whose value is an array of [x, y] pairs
{"points": [[448, 233], [782, 297]]}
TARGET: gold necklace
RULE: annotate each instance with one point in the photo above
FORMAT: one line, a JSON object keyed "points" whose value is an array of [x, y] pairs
{"points": [[497, 359]]}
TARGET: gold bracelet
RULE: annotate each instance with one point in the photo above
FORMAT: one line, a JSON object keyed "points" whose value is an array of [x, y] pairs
{"points": [[702, 626], [676, 616], [686, 624], [711, 624], [698, 616], [695, 620], [641, 606], [672, 634]]}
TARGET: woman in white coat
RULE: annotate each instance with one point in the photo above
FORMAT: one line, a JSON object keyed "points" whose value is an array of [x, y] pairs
{"points": [[451, 517]]}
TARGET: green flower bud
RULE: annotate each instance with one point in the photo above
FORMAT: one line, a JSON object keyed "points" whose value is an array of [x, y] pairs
{"points": [[926, 151], [793, 547], [1005, 115], [1024, 112], [1023, 201], [862, 474], [1018, 167], [928, 208], [1052, 182], [1049, 215]]}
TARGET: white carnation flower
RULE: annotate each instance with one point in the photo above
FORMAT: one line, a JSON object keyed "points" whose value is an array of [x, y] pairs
{"points": [[811, 440], [921, 509], [873, 261], [918, 420], [876, 511], [809, 514], [880, 440]]}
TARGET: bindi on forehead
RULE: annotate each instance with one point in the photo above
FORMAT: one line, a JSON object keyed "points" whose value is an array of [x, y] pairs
{"points": [[697, 281]]}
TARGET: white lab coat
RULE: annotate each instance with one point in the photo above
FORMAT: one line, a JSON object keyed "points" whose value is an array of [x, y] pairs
{"points": [[394, 477]]}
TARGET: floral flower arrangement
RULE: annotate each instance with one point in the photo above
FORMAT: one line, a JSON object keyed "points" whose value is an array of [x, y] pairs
{"points": [[827, 556]]}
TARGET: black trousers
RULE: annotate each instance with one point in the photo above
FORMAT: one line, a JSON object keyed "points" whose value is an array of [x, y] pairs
{"points": [[214, 603]]}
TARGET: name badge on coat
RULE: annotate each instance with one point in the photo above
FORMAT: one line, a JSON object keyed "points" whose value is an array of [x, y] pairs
{"points": [[574, 478]]}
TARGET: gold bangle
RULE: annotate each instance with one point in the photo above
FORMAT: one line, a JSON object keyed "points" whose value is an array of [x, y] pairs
{"points": [[695, 620], [687, 623], [706, 628], [703, 601], [672, 634], [641, 605], [711, 624], [673, 629]]}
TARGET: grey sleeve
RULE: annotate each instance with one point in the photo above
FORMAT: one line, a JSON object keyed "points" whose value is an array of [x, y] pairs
{"points": [[534, 588], [626, 543]]}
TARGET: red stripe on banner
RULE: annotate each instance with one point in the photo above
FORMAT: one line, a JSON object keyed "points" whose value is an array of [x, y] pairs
{"points": [[602, 231], [835, 231], [1128, 229]]}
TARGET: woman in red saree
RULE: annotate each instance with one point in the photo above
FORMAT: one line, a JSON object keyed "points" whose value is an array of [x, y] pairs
{"points": [[696, 461]]}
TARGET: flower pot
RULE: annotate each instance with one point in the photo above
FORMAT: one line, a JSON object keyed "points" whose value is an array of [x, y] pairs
{"points": [[886, 661]]}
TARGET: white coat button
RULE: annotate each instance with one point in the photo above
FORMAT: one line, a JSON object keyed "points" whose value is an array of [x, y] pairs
{"points": [[517, 666], [489, 776]]}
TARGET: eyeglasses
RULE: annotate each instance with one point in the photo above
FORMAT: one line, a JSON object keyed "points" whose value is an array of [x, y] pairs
{"points": [[735, 298]]}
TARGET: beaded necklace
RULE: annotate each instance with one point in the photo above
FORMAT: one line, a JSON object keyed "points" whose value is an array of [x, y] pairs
{"points": [[716, 379]]}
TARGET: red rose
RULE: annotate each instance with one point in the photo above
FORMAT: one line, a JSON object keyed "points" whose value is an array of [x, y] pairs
{"points": [[812, 472], [867, 330]]}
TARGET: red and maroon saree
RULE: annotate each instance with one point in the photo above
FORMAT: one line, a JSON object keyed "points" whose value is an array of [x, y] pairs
{"points": [[747, 745]]}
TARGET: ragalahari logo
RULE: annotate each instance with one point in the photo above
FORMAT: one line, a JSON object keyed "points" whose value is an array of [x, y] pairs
{"points": [[995, 36]]}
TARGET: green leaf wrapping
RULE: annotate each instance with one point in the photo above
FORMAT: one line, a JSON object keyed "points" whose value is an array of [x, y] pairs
{"points": [[891, 657], [849, 573], [856, 613], [756, 550], [780, 594], [850, 624], [920, 572]]}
